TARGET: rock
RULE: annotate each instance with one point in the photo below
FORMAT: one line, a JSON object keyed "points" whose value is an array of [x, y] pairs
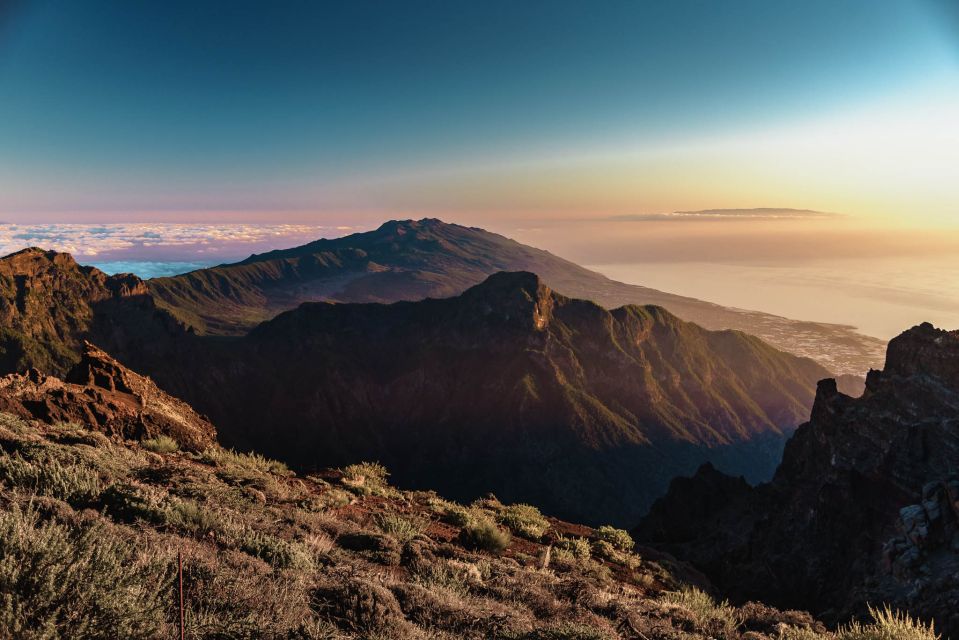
{"points": [[101, 393], [862, 509]]}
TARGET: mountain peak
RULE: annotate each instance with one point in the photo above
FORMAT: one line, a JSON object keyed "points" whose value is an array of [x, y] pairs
{"points": [[515, 296], [925, 350], [33, 259]]}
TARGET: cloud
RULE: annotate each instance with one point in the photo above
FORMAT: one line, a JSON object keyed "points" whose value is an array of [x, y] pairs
{"points": [[763, 213], [160, 240]]}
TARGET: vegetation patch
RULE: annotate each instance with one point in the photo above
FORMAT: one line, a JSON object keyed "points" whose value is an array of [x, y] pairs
{"points": [[59, 582], [160, 444], [483, 534], [524, 520]]}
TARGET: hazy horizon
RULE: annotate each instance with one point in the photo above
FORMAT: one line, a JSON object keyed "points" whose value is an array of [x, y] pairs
{"points": [[691, 146]]}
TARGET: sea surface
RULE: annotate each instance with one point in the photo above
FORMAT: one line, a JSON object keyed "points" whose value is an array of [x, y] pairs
{"points": [[880, 296], [148, 268]]}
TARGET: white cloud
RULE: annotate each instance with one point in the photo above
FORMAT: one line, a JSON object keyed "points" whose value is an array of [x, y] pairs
{"points": [[89, 240]]}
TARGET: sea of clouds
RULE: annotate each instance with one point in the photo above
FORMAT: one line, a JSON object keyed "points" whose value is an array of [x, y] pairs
{"points": [[156, 249]]}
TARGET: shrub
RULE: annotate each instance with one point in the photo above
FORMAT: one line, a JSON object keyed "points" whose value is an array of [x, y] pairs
{"points": [[888, 625], [451, 512], [249, 461], [45, 475], [459, 516], [563, 631], [60, 583], [524, 520], [457, 577], [160, 444], [707, 611], [798, 633], [619, 538], [276, 551], [484, 534], [576, 547], [603, 549], [190, 516], [403, 529], [367, 477], [131, 502]]}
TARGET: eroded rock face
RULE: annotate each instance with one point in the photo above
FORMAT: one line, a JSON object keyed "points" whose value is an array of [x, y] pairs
{"points": [[861, 510], [102, 393], [49, 304]]}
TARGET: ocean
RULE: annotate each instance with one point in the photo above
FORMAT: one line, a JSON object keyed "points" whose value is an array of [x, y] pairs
{"points": [[880, 296]]}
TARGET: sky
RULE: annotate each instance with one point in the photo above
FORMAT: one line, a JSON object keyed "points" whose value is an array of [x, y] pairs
{"points": [[517, 116]]}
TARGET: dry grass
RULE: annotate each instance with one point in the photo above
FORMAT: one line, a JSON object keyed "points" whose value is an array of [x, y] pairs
{"points": [[90, 528]]}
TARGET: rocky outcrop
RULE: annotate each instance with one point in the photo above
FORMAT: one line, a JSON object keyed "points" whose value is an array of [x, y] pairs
{"points": [[49, 304], [103, 394], [862, 509]]}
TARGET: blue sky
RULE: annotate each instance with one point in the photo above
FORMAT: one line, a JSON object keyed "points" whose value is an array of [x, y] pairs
{"points": [[304, 111]]}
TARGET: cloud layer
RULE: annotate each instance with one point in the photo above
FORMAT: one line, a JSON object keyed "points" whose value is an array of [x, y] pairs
{"points": [[139, 241]]}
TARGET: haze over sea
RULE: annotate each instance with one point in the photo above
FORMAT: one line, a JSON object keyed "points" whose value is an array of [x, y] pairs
{"points": [[880, 296]]}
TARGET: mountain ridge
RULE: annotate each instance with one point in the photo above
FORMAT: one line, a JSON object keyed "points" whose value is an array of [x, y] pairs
{"points": [[504, 380], [416, 259]]}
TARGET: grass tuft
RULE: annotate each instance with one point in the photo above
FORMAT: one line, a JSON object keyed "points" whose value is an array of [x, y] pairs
{"points": [[160, 444]]}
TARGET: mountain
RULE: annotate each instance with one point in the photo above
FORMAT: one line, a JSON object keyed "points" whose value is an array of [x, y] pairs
{"points": [[412, 260], [863, 509], [509, 387], [538, 396], [48, 303], [93, 530]]}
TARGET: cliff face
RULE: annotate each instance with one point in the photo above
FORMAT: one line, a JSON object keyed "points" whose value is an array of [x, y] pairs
{"points": [[49, 304], [104, 395], [863, 507]]}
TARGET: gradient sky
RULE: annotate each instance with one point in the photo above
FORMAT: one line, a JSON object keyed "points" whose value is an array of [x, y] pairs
{"points": [[331, 112]]}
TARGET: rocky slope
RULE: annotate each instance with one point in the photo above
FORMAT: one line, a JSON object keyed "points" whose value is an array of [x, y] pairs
{"points": [[108, 397], [412, 260], [510, 387], [863, 509]]}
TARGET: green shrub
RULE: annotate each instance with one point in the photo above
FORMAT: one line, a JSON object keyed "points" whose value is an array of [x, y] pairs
{"points": [[459, 516], [446, 574], [45, 475], [249, 461], [707, 611], [276, 551], [798, 633], [484, 534], [403, 529], [160, 444], [188, 515], [576, 547], [888, 625], [56, 582], [366, 477], [130, 502], [562, 631], [524, 520], [603, 549], [619, 538]]}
